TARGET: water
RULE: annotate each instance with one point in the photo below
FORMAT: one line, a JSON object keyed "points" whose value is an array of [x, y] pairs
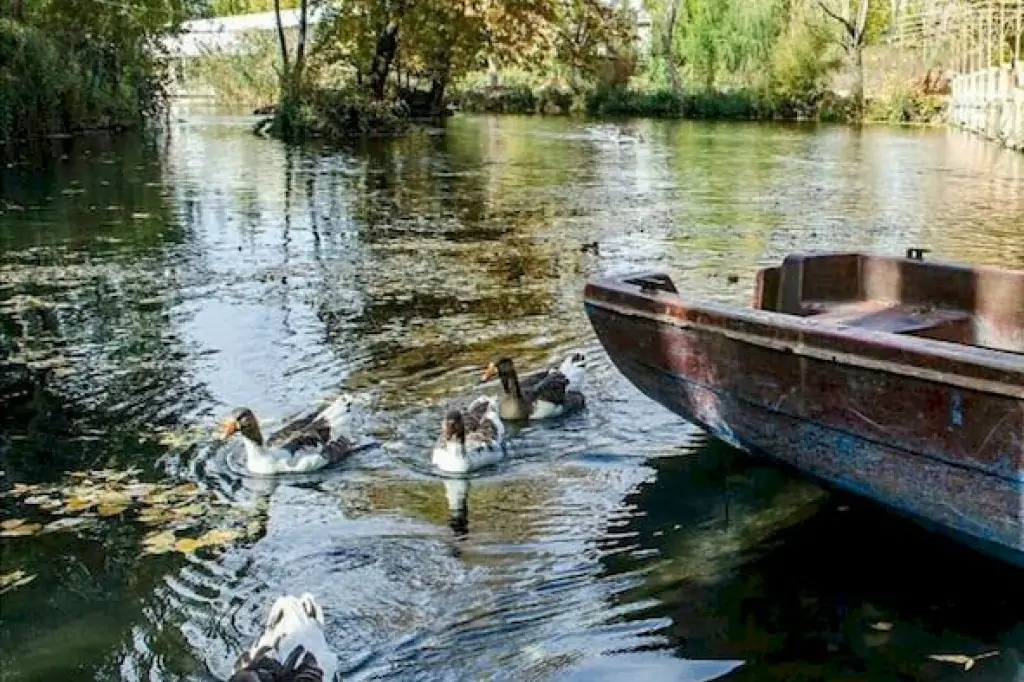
{"points": [[153, 285]]}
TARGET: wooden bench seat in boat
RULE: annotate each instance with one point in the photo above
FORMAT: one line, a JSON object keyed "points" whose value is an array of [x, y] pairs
{"points": [[933, 323]]}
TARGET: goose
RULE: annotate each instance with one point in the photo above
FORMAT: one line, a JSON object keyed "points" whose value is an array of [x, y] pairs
{"points": [[292, 647], [306, 444], [542, 395], [470, 439]]}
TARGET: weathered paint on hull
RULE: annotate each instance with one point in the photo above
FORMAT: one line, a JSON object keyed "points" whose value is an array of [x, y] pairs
{"points": [[727, 388]]}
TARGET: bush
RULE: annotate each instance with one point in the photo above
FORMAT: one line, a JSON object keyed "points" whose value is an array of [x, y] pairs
{"points": [[47, 87], [339, 114]]}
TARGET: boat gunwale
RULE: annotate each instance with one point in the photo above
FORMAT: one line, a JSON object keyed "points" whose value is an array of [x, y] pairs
{"points": [[873, 349]]}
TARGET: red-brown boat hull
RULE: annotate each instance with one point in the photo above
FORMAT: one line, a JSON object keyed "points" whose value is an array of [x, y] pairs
{"points": [[907, 422]]}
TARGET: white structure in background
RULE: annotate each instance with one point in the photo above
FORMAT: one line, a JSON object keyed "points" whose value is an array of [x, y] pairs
{"points": [[221, 34]]}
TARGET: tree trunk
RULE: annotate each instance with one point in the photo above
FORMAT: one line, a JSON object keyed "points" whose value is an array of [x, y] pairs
{"points": [[858, 80], [670, 59], [439, 82], [17, 11], [300, 49], [383, 55], [284, 49], [853, 42]]}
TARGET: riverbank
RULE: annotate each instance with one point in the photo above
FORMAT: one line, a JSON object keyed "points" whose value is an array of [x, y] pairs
{"points": [[906, 104]]}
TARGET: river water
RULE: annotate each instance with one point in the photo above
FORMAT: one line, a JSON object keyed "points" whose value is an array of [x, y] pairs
{"points": [[149, 285]]}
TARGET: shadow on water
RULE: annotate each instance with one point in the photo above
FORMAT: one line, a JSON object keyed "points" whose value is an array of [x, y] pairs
{"points": [[149, 285], [801, 584]]}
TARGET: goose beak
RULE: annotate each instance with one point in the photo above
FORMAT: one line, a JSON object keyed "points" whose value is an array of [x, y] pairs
{"points": [[227, 429], [489, 373]]}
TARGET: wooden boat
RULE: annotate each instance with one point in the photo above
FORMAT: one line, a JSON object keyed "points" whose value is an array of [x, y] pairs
{"points": [[898, 379]]}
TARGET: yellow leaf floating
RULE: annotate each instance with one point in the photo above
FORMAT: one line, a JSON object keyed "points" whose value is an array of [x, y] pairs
{"points": [[14, 580], [159, 543], [882, 626], [962, 659], [110, 509], [11, 523], [22, 530], [187, 545], [189, 510], [220, 536], [78, 504]]}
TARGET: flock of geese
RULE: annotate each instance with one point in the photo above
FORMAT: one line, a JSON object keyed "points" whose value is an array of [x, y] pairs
{"points": [[292, 646], [471, 437]]}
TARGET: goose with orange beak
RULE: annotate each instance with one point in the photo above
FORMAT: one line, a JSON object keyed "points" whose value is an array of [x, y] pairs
{"points": [[542, 395], [306, 444]]}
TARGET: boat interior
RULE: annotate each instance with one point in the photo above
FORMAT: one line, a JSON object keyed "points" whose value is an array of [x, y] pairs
{"points": [[976, 306]]}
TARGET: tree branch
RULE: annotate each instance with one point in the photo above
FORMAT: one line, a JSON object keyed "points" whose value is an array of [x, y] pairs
{"points": [[846, 24]]}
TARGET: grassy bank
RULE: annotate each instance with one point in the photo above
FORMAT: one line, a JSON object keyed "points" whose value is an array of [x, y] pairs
{"points": [[900, 103]]}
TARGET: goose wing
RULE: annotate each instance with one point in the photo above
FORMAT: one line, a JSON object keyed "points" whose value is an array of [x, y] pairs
{"points": [[552, 389], [297, 428], [315, 436]]}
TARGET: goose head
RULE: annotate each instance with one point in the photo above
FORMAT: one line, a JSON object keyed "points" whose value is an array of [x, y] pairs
{"points": [[242, 421], [453, 427], [504, 370]]}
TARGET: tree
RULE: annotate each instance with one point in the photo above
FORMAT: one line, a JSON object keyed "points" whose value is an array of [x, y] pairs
{"points": [[852, 34]]}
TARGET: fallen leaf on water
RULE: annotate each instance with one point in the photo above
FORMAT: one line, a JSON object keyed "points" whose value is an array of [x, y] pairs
{"points": [[64, 524], [962, 659], [882, 626], [159, 543], [187, 545], [21, 530], [11, 523], [78, 504], [189, 510], [110, 509], [14, 580], [220, 536], [139, 216], [185, 489]]}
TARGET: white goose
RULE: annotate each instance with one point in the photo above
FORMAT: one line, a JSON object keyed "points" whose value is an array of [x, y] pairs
{"points": [[542, 395], [307, 444], [470, 439], [292, 647]]}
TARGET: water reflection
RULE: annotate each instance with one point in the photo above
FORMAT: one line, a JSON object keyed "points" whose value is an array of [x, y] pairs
{"points": [[150, 286]]}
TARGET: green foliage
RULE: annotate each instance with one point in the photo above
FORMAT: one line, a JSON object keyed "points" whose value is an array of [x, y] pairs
{"points": [[248, 75], [223, 8], [339, 114], [67, 65], [904, 103]]}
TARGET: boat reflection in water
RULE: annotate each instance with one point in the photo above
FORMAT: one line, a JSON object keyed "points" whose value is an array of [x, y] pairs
{"points": [[746, 562]]}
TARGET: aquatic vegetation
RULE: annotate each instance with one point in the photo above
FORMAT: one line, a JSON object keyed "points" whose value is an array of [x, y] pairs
{"points": [[177, 512]]}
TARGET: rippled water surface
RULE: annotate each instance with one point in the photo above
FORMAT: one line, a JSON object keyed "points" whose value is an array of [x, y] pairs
{"points": [[149, 286]]}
